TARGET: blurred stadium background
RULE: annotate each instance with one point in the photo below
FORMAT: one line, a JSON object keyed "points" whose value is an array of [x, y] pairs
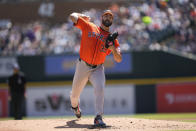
{"points": [[158, 44]]}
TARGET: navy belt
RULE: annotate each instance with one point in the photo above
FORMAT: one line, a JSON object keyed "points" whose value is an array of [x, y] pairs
{"points": [[92, 66]]}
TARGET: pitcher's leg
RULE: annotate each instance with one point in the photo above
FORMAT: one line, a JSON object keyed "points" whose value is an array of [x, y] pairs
{"points": [[79, 82], [97, 78]]}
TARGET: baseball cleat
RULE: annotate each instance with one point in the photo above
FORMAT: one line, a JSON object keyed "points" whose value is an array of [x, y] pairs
{"points": [[77, 111], [98, 122]]}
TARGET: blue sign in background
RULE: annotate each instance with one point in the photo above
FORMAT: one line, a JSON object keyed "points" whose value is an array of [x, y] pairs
{"points": [[60, 65], [112, 67], [65, 65]]}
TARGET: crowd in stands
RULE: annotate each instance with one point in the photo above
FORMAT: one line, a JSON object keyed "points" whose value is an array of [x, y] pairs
{"points": [[171, 24]]}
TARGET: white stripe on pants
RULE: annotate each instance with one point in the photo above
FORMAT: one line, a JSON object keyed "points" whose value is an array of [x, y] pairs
{"points": [[96, 76]]}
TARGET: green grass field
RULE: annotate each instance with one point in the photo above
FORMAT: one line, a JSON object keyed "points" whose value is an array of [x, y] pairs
{"points": [[185, 117]]}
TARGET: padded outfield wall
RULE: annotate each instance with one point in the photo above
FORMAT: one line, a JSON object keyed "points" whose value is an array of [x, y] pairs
{"points": [[121, 97], [54, 100], [149, 64], [155, 82]]}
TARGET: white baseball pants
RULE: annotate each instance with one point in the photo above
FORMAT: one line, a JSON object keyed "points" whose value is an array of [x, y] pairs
{"points": [[96, 76]]}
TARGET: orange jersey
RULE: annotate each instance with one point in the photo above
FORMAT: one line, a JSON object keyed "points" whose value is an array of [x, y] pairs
{"points": [[92, 48]]}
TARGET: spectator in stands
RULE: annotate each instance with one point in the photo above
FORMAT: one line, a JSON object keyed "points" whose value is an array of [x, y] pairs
{"points": [[168, 18], [46, 9]]}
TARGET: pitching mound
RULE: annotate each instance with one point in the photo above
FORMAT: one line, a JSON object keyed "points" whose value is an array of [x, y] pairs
{"points": [[84, 124]]}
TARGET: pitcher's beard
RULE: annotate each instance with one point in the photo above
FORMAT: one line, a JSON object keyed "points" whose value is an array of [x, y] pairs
{"points": [[106, 23]]}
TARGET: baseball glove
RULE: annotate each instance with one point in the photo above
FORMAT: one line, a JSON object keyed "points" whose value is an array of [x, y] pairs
{"points": [[110, 39]]}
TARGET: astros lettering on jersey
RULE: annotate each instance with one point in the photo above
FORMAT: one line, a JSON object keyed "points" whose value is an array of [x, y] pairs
{"points": [[92, 48]]}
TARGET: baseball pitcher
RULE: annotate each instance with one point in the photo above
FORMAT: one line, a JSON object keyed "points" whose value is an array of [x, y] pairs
{"points": [[96, 43]]}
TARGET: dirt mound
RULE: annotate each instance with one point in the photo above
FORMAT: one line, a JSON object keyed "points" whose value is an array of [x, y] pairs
{"points": [[115, 123]]}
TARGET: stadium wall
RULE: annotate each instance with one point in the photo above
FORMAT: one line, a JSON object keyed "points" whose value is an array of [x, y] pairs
{"points": [[160, 82], [149, 64], [52, 98]]}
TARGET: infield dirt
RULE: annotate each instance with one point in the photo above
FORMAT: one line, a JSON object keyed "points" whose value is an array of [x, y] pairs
{"points": [[83, 124]]}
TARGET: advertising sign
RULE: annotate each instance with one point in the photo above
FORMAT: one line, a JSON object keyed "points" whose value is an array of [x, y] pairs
{"points": [[112, 67], [65, 65], [176, 97], [55, 101], [60, 65], [3, 103]]}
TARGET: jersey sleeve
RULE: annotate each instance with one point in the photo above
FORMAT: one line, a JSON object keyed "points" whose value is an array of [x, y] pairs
{"points": [[81, 23], [116, 44]]}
